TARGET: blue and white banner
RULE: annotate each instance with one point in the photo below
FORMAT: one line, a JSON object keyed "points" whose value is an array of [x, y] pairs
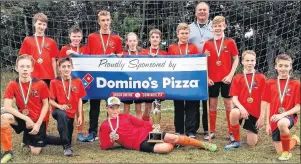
{"points": [[143, 77]]}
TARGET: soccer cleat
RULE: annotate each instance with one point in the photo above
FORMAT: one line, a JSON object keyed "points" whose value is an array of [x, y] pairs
{"points": [[7, 156], [285, 156], [297, 139], [191, 135], [68, 152], [91, 137], [207, 137], [209, 146], [232, 145], [81, 137]]}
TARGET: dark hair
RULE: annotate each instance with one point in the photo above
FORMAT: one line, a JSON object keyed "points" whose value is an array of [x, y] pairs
{"points": [[75, 29], [62, 60]]}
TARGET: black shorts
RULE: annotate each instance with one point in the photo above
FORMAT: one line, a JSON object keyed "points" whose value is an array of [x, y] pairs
{"points": [[250, 124], [132, 101], [47, 81], [276, 132], [37, 140], [215, 89], [149, 147]]}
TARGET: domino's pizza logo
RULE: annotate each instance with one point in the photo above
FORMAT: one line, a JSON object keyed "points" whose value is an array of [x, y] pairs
{"points": [[87, 80]]}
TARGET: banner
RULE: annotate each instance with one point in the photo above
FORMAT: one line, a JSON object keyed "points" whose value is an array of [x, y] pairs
{"points": [[143, 77]]}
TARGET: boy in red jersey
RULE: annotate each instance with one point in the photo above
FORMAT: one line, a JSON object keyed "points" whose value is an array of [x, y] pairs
{"points": [[66, 94], [76, 36], [185, 110], [132, 133], [222, 55], [31, 97], [103, 42], [283, 97], [154, 50], [44, 50], [247, 89], [132, 48]]}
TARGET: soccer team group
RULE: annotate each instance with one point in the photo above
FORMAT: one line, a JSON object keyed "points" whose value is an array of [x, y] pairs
{"points": [[46, 87]]}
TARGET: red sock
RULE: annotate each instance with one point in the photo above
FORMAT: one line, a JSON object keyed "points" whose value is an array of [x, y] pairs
{"points": [[212, 115], [228, 121], [6, 138], [236, 132], [285, 140]]}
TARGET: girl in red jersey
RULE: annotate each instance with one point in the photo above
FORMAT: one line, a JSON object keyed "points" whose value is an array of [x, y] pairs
{"points": [[132, 133], [246, 90], [66, 93], [76, 36], [185, 110], [132, 48], [31, 97], [283, 97], [153, 50]]}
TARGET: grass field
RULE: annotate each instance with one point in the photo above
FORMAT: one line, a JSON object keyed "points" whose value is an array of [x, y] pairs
{"points": [[90, 152]]}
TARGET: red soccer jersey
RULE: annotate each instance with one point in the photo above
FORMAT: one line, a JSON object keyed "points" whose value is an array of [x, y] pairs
{"points": [[57, 93], [291, 98], [95, 44], [82, 50], [133, 53], [155, 51], [217, 73], [174, 49], [132, 132], [239, 88], [39, 91], [49, 51]]}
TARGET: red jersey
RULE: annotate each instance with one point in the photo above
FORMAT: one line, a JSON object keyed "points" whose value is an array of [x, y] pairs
{"points": [[133, 53], [132, 132], [39, 91], [95, 44], [49, 51], [155, 51], [82, 50], [239, 88], [174, 49], [291, 98], [58, 94], [217, 73]]}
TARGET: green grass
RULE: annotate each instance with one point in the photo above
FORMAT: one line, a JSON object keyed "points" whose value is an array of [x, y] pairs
{"points": [[263, 152]]}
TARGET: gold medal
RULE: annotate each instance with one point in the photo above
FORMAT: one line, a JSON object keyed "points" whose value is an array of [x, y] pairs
{"points": [[218, 63], [250, 99], [25, 112], [40, 60], [281, 110], [114, 136]]}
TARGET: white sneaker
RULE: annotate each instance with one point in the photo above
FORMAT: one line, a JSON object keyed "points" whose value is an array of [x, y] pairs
{"points": [[207, 137]]}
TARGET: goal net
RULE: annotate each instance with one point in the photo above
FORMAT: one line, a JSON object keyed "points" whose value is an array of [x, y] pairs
{"points": [[268, 27]]}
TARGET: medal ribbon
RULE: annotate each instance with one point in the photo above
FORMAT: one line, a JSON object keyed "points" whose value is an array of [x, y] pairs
{"points": [[186, 49], [40, 48], [281, 95], [69, 89], [220, 48], [102, 42], [77, 48], [130, 52], [249, 86], [25, 99], [111, 126], [150, 51]]}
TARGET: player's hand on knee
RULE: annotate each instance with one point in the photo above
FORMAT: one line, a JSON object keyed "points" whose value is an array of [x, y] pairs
{"points": [[63, 107], [35, 129], [268, 130], [29, 123], [259, 123], [244, 114]]}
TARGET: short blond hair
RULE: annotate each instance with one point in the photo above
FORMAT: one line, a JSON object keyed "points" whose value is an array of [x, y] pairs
{"points": [[182, 26], [103, 13], [155, 31], [283, 57], [251, 52], [41, 17], [25, 56], [219, 19]]}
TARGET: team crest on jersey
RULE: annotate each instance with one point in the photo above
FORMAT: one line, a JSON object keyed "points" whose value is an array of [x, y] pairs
{"points": [[225, 48], [254, 85], [34, 93], [111, 44], [288, 92], [46, 45], [73, 89]]}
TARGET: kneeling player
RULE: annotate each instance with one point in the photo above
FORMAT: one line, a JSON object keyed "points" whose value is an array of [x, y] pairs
{"points": [[246, 90], [283, 97], [132, 133]]}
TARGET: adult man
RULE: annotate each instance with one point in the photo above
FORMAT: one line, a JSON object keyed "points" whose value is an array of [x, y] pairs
{"points": [[200, 31]]}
